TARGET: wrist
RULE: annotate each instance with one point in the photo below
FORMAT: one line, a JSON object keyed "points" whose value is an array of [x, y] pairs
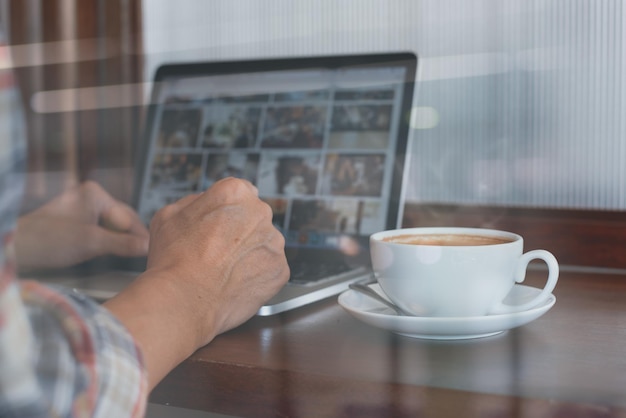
{"points": [[164, 321]]}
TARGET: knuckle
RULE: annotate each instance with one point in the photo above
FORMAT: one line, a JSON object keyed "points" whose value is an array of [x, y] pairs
{"points": [[234, 187], [231, 183], [89, 188], [162, 214], [280, 240], [137, 246], [265, 210], [286, 273]]}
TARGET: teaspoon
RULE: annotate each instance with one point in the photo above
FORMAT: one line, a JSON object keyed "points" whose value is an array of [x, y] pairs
{"points": [[366, 290]]}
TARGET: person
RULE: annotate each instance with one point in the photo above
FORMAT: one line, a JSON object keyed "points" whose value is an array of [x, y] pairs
{"points": [[213, 259]]}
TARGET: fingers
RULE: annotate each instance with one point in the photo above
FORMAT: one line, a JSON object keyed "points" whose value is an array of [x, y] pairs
{"points": [[122, 232], [233, 192], [110, 212], [184, 202], [227, 191], [120, 244], [172, 209], [121, 218]]}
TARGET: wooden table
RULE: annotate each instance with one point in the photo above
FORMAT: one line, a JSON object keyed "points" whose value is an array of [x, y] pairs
{"points": [[319, 361]]}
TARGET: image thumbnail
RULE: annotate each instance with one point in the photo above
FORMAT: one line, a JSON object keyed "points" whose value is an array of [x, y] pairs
{"points": [[231, 127], [288, 175], [360, 126], [294, 127], [248, 98], [179, 99], [337, 216], [353, 174], [378, 94], [179, 128], [300, 96], [176, 171], [240, 164]]}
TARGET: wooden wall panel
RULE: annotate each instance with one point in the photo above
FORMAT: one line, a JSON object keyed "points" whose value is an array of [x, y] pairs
{"points": [[74, 44]]}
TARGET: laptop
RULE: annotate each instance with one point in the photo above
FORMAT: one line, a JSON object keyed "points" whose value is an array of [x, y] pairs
{"points": [[324, 139]]}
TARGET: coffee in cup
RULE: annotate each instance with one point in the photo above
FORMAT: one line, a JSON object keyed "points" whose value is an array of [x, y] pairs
{"points": [[446, 239], [455, 272]]}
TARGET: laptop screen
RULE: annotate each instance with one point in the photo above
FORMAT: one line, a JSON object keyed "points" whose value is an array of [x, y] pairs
{"points": [[324, 140]]}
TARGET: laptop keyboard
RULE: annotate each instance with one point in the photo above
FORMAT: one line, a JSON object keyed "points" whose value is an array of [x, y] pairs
{"points": [[308, 272]]}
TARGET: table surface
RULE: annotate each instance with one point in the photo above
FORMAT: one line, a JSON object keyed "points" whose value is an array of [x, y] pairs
{"points": [[321, 361]]}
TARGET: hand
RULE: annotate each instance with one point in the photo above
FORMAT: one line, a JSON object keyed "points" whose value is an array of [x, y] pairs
{"points": [[222, 248], [82, 223], [214, 259]]}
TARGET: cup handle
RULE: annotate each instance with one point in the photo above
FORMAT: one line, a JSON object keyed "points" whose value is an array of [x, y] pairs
{"points": [[520, 275]]}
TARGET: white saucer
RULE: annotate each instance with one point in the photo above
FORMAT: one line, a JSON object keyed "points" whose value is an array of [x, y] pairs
{"points": [[375, 313]]}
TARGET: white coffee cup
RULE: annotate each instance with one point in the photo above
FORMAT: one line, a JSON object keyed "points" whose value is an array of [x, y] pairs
{"points": [[441, 279]]}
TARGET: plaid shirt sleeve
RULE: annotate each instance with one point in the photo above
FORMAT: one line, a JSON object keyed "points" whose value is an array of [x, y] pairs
{"points": [[61, 354]]}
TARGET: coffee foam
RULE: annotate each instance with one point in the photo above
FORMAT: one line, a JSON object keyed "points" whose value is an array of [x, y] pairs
{"points": [[447, 239]]}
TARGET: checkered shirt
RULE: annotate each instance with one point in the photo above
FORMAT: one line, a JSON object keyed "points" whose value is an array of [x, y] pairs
{"points": [[61, 354]]}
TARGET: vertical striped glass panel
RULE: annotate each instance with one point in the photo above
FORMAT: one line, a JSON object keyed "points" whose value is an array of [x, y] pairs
{"points": [[528, 93]]}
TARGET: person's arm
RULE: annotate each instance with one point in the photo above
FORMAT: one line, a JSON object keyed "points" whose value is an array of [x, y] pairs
{"points": [[82, 223], [214, 259]]}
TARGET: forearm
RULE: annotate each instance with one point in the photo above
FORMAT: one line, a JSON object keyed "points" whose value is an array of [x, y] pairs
{"points": [[161, 320]]}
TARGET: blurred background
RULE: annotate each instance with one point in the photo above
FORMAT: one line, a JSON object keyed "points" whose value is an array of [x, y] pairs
{"points": [[519, 102]]}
